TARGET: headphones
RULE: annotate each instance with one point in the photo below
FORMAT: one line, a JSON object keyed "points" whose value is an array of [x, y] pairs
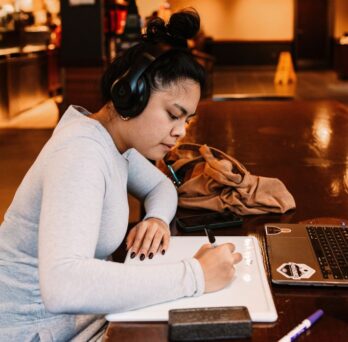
{"points": [[130, 93]]}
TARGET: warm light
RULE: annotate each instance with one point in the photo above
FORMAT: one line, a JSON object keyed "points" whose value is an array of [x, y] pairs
{"points": [[164, 11], [321, 130], [345, 178], [335, 188], [7, 9], [25, 5], [338, 185], [52, 6]]}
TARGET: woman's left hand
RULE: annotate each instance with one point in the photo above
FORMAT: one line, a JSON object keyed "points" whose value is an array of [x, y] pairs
{"points": [[148, 237]]}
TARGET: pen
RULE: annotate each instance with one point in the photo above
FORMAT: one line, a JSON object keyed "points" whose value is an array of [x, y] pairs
{"points": [[211, 237], [176, 180], [302, 327]]}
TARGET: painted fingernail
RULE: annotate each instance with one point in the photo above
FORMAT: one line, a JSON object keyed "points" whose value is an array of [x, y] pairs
{"points": [[150, 255], [142, 256], [163, 251], [133, 255]]}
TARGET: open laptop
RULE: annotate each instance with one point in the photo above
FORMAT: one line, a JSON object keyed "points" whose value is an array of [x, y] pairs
{"points": [[301, 254]]}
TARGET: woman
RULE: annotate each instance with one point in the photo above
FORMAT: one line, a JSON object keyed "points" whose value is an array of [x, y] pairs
{"points": [[71, 212]]}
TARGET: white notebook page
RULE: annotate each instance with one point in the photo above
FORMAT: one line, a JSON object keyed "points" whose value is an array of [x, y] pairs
{"points": [[249, 287]]}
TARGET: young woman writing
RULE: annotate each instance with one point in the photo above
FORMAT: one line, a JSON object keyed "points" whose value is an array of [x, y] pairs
{"points": [[71, 212]]}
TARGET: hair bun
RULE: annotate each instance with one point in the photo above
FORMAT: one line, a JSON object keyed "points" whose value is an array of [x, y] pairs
{"points": [[156, 30], [182, 25]]}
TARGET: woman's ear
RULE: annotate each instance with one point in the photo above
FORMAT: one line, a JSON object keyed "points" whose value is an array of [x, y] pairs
{"points": [[114, 113]]}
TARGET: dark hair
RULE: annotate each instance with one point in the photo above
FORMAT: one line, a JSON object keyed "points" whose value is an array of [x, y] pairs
{"points": [[176, 64]]}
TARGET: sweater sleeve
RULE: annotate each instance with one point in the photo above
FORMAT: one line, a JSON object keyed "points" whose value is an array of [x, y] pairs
{"points": [[72, 280], [148, 183]]}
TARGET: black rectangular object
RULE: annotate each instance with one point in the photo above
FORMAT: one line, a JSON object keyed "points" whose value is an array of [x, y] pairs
{"points": [[201, 324], [211, 220], [82, 34]]}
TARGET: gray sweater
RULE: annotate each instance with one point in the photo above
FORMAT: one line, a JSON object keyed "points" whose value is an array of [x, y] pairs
{"points": [[68, 215]]}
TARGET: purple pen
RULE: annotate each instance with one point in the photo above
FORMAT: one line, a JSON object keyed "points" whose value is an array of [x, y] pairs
{"points": [[302, 327]]}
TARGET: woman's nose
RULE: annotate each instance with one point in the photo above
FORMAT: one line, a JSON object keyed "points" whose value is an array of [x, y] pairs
{"points": [[179, 130]]}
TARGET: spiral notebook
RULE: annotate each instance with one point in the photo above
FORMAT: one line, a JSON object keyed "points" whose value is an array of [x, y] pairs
{"points": [[249, 287]]}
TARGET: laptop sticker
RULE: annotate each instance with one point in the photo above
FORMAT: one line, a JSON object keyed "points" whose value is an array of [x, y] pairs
{"points": [[272, 230], [295, 271]]}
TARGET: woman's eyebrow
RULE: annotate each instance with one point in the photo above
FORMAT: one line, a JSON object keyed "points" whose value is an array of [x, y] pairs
{"points": [[183, 110]]}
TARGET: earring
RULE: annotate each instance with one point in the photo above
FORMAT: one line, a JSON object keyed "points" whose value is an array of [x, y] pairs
{"points": [[124, 118]]}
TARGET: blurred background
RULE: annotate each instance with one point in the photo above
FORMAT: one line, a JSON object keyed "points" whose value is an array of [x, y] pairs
{"points": [[52, 54]]}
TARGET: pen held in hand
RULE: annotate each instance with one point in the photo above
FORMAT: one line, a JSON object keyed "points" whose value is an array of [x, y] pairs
{"points": [[211, 237]]}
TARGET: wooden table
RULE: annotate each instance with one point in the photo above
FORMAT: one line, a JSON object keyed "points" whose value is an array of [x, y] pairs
{"points": [[305, 144]]}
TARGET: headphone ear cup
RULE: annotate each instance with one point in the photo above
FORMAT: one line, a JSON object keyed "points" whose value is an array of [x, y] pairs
{"points": [[127, 103], [121, 94], [142, 96]]}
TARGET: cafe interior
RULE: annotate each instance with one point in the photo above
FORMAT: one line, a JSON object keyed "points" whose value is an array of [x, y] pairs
{"points": [[276, 100]]}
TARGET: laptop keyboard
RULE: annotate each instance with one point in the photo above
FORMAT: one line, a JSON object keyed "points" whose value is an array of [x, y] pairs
{"points": [[330, 245]]}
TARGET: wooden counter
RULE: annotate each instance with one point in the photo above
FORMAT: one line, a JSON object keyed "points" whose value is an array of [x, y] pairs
{"points": [[26, 78], [305, 144]]}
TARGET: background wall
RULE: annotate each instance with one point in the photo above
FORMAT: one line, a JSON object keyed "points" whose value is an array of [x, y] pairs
{"points": [[249, 19], [238, 19], [340, 17]]}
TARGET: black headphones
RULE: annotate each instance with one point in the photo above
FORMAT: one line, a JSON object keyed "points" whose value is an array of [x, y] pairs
{"points": [[130, 93]]}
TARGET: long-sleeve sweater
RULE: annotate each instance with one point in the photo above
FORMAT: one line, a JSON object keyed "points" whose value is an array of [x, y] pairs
{"points": [[68, 215]]}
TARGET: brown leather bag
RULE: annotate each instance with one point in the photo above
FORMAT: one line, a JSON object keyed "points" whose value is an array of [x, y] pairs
{"points": [[211, 179]]}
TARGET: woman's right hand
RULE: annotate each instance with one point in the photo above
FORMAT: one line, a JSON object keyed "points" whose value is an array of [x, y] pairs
{"points": [[218, 265]]}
